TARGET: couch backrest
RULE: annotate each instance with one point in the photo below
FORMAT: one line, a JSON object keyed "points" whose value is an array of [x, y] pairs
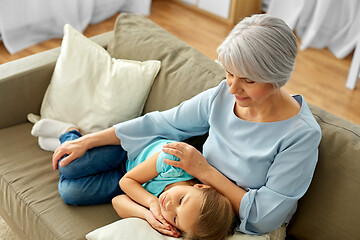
{"points": [[331, 207], [184, 71]]}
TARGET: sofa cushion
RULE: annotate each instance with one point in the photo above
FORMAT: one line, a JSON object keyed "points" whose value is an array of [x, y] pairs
{"points": [[331, 207], [107, 91], [184, 71], [29, 195]]}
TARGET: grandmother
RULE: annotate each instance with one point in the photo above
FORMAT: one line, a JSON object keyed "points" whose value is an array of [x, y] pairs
{"points": [[262, 146]]}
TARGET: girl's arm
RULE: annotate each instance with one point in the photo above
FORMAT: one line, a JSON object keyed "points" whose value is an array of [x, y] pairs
{"points": [[131, 182], [125, 208], [144, 204]]}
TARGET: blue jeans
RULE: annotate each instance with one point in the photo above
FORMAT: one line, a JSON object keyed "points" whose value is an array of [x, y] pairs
{"points": [[94, 177]]}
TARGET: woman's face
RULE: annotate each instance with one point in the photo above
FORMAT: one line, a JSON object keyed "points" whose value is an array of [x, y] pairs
{"points": [[180, 206], [247, 92]]}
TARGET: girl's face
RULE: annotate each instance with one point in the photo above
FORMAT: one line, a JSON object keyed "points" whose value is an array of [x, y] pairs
{"points": [[180, 206], [248, 93]]}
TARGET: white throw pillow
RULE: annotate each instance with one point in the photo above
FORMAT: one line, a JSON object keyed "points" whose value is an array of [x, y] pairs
{"points": [[127, 229], [136, 228], [93, 90]]}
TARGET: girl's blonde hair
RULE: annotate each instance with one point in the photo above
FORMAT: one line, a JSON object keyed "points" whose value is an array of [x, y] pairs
{"points": [[216, 220]]}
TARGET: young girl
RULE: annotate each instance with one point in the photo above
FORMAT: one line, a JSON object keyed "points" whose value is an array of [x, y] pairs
{"points": [[197, 210], [167, 197]]}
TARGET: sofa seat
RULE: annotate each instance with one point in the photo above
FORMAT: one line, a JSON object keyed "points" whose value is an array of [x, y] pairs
{"points": [[29, 198]]}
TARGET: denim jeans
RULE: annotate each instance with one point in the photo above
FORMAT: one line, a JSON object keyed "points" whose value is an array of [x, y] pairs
{"points": [[94, 177]]}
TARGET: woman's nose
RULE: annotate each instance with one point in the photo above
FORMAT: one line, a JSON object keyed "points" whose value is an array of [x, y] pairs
{"points": [[235, 87]]}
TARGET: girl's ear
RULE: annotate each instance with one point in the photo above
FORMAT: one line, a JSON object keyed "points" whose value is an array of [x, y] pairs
{"points": [[202, 186]]}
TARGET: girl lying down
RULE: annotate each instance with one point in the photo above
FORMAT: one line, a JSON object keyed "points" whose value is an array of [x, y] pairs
{"points": [[169, 198]]}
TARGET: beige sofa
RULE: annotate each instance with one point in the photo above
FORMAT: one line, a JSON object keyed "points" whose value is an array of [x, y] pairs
{"points": [[30, 202]]}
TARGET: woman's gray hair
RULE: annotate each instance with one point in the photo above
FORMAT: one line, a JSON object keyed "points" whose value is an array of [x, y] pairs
{"points": [[262, 48]]}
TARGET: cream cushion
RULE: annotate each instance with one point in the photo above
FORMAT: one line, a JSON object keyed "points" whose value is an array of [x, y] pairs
{"points": [[93, 90], [136, 228]]}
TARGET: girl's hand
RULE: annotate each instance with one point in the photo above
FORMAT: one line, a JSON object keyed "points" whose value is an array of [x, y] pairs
{"points": [[158, 222], [74, 149], [191, 160]]}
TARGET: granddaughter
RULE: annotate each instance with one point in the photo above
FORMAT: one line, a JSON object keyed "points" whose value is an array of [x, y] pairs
{"points": [[165, 196], [197, 210]]}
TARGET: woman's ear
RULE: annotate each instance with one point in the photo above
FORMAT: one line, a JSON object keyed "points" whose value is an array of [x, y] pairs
{"points": [[202, 186]]}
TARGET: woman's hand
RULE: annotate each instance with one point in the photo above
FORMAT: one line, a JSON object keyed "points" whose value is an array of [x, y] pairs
{"points": [[158, 222], [194, 163], [191, 160], [74, 149]]}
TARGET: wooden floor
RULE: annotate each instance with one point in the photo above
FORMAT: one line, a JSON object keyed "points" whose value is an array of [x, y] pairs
{"points": [[319, 76]]}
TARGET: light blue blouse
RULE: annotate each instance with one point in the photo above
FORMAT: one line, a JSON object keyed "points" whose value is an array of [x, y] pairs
{"points": [[167, 174], [273, 161]]}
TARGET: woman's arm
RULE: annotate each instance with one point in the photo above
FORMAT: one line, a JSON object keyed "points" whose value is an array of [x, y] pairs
{"points": [[264, 209], [223, 185], [194, 163], [76, 148], [188, 119]]}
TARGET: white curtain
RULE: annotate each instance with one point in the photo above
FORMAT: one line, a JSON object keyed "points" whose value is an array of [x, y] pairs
{"points": [[27, 22], [321, 23]]}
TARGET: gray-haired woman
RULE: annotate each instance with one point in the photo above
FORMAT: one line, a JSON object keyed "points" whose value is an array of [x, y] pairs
{"points": [[262, 146]]}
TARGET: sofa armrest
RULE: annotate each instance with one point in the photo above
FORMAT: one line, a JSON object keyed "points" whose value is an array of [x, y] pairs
{"points": [[23, 83]]}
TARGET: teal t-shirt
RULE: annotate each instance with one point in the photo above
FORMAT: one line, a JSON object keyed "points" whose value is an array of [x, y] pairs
{"points": [[167, 174]]}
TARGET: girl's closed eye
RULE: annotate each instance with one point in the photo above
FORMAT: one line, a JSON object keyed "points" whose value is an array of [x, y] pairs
{"points": [[180, 201]]}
